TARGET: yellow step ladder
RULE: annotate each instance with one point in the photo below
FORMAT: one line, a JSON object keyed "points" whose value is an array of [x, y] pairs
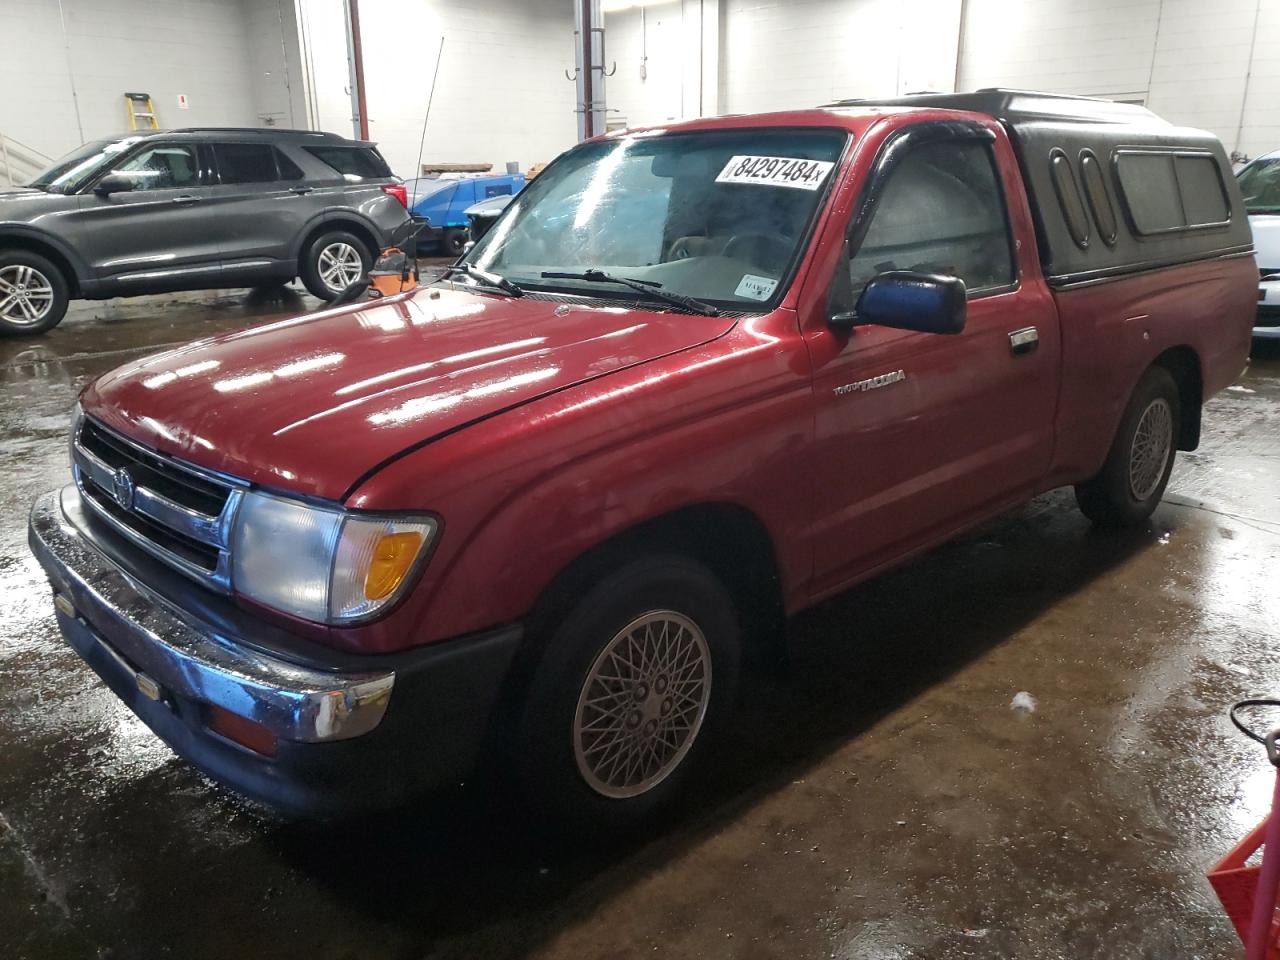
{"points": [[141, 108]]}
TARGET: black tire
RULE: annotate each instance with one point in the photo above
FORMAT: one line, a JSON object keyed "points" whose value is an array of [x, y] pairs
{"points": [[453, 241], [34, 294], [549, 740], [313, 272], [1128, 487]]}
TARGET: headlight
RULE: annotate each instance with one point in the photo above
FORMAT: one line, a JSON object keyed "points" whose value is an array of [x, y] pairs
{"points": [[323, 564]]}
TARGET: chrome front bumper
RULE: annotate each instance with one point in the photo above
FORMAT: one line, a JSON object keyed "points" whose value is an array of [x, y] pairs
{"points": [[171, 653]]}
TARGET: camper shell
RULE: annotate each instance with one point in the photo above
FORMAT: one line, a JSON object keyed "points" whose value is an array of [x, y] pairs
{"points": [[1114, 189]]}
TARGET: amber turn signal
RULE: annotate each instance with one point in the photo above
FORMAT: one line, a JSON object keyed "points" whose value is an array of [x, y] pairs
{"points": [[247, 733], [393, 555]]}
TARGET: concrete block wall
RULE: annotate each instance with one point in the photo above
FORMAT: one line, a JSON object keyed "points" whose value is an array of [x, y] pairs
{"points": [[783, 54], [162, 47], [1189, 60]]}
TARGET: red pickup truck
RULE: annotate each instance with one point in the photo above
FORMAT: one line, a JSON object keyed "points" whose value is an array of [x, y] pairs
{"points": [[694, 379]]}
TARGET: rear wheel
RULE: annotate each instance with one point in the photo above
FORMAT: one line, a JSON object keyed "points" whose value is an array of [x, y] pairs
{"points": [[453, 241], [333, 262], [630, 695], [33, 293], [1136, 472]]}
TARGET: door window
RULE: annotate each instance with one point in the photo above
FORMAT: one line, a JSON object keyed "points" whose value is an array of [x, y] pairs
{"points": [[246, 162], [940, 211], [162, 166]]}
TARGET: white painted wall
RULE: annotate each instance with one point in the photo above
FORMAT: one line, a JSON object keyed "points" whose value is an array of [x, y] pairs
{"points": [[162, 47], [1188, 60], [784, 54], [502, 93], [677, 44], [275, 63]]}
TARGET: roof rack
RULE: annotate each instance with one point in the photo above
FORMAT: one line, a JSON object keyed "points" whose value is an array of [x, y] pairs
{"points": [[266, 131], [1015, 106]]}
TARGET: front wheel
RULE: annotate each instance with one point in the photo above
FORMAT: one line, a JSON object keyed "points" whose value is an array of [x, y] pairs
{"points": [[333, 262], [1136, 471], [630, 695], [33, 293]]}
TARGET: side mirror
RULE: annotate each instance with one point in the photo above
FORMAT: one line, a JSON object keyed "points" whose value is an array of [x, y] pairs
{"points": [[907, 300], [114, 183]]}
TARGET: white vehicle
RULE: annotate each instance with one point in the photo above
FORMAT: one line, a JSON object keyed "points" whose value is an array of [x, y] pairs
{"points": [[1260, 184]]}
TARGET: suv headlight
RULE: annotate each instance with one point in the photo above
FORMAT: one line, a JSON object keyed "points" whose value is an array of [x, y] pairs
{"points": [[323, 564]]}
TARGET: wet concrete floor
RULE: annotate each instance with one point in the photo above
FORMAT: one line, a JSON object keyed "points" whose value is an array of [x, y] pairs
{"points": [[882, 801]]}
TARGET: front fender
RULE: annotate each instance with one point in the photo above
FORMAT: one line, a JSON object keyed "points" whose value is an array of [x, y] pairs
{"points": [[525, 494], [19, 234]]}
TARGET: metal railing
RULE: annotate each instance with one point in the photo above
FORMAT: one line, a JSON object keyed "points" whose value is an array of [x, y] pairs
{"points": [[19, 162]]}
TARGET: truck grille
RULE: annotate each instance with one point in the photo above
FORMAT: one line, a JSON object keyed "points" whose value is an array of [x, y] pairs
{"points": [[176, 512]]}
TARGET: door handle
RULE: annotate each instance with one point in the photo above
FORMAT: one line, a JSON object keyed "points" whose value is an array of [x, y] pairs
{"points": [[301, 191], [1023, 341], [188, 198]]}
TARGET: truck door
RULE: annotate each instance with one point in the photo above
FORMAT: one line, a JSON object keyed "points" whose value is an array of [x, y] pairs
{"points": [[918, 434]]}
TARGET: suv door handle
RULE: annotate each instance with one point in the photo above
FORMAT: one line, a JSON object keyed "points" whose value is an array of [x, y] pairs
{"points": [[1024, 341], [186, 198], [300, 191]]}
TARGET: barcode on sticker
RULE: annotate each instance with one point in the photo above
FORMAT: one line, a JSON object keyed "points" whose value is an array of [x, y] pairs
{"points": [[757, 288], [776, 172]]}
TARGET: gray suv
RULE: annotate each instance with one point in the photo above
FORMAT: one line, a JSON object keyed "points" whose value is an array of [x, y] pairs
{"points": [[194, 209]]}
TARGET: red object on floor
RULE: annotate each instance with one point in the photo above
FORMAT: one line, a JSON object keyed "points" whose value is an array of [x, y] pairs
{"points": [[1240, 887]]}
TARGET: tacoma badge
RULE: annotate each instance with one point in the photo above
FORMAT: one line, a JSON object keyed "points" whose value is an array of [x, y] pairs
{"points": [[871, 383]]}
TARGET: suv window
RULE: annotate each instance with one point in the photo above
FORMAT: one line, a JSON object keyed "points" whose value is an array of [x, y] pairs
{"points": [[354, 163], [940, 211], [246, 162], [161, 166]]}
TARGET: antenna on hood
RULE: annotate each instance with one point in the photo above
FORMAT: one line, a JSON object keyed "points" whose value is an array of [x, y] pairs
{"points": [[417, 168]]}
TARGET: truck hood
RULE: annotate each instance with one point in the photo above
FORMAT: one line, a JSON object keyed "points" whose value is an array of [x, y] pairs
{"points": [[312, 404]]}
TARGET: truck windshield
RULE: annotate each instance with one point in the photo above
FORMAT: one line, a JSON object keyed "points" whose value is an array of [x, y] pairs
{"points": [[718, 216], [76, 169], [1260, 184]]}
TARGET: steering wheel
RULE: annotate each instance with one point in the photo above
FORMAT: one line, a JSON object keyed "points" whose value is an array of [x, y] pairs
{"points": [[751, 246]]}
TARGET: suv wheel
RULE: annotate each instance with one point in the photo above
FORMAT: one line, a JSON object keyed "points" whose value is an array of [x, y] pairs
{"points": [[33, 293], [333, 262], [1132, 480], [630, 694]]}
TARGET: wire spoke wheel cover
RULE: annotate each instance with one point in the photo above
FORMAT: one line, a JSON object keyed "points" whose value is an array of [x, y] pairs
{"points": [[1149, 452], [642, 704], [26, 295], [339, 266]]}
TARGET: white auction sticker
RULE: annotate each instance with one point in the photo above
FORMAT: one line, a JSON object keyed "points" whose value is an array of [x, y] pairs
{"points": [[757, 288], [776, 172]]}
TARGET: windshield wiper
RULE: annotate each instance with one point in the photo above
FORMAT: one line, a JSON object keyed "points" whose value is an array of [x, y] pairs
{"points": [[487, 278], [651, 287]]}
